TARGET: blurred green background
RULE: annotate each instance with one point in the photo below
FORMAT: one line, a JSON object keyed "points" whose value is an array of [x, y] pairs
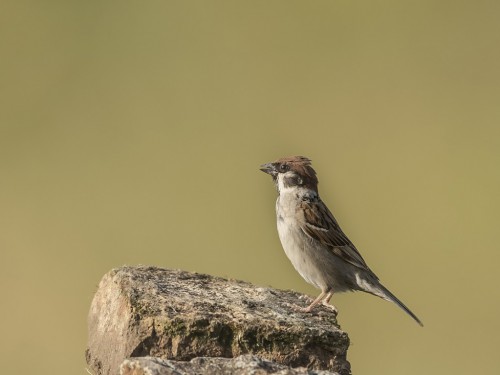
{"points": [[131, 132]]}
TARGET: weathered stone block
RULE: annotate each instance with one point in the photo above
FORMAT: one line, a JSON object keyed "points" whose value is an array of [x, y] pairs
{"points": [[148, 311]]}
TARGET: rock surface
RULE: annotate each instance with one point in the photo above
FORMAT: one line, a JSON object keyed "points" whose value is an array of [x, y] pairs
{"points": [[148, 311], [243, 365]]}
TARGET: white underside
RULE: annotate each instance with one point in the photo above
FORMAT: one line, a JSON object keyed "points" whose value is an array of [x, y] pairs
{"points": [[293, 239]]}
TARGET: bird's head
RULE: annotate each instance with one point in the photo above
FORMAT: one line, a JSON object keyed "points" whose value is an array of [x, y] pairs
{"points": [[291, 172]]}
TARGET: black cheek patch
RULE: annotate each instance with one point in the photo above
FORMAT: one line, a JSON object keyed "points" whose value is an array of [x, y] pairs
{"points": [[293, 181]]}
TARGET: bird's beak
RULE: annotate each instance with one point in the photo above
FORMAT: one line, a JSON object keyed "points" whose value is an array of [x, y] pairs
{"points": [[268, 168]]}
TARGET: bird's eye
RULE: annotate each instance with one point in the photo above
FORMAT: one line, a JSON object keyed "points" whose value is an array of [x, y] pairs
{"points": [[283, 167]]}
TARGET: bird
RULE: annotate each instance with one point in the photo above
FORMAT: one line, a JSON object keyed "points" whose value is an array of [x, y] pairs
{"points": [[313, 240]]}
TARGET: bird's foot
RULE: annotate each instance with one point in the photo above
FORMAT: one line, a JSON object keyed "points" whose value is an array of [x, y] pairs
{"points": [[323, 298], [330, 306]]}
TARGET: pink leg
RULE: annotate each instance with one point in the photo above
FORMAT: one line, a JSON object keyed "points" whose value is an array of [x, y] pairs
{"points": [[325, 301], [315, 302]]}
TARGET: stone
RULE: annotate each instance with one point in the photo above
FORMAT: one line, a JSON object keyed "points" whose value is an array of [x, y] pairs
{"points": [[247, 364], [177, 315]]}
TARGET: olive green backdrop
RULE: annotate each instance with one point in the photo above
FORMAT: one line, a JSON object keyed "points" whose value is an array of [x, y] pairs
{"points": [[131, 132]]}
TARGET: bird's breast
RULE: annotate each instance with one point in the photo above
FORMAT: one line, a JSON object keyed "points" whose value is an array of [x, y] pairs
{"points": [[294, 242]]}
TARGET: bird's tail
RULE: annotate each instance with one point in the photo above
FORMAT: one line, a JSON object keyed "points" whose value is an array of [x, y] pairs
{"points": [[382, 292]]}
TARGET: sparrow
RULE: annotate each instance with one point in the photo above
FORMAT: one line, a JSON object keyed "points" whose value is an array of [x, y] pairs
{"points": [[312, 239]]}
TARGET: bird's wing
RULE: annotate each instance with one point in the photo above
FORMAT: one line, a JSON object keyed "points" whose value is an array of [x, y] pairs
{"points": [[320, 225]]}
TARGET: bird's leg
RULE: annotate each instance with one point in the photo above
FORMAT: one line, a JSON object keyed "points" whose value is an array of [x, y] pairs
{"points": [[324, 298], [315, 302], [326, 301]]}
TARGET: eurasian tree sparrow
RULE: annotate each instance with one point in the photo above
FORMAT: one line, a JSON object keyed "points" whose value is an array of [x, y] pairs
{"points": [[312, 238]]}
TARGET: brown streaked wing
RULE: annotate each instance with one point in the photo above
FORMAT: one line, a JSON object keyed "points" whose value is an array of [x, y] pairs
{"points": [[321, 225]]}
